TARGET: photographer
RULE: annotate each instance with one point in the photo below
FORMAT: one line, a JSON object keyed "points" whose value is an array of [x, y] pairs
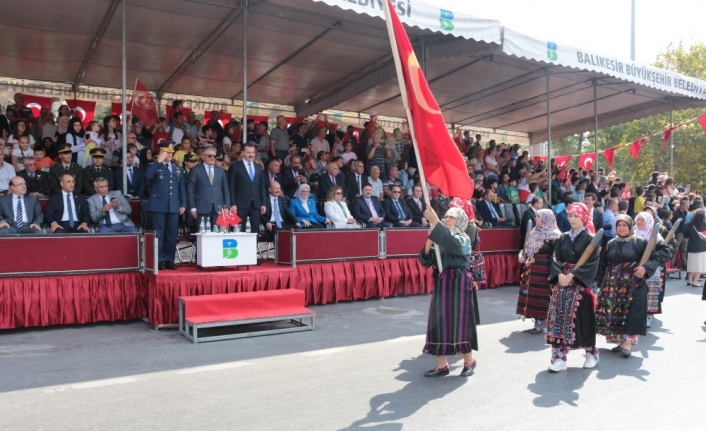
{"points": [[378, 151]]}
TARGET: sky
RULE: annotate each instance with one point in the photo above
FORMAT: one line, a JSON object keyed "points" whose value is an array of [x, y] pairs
{"points": [[602, 26]]}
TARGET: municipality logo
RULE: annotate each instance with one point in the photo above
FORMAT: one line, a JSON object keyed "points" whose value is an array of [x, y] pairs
{"points": [[230, 249], [446, 20], [552, 54]]}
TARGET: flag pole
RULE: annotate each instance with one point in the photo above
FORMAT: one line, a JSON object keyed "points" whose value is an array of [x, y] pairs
{"points": [[403, 93], [124, 97]]}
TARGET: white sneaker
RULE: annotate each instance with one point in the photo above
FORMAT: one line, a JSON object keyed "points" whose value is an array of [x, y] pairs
{"points": [[557, 366], [591, 361]]}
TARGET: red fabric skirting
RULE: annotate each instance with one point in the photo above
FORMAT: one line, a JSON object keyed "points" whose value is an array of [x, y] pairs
{"points": [[322, 283], [71, 299], [501, 268]]}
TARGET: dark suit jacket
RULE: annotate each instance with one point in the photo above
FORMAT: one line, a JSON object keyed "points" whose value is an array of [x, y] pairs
{"points": [[136, 187], [597, 219], [391, 213], [361, 212], [417, 214], [286, 214], [278, 178], [289, 186], [485, 212], [352, 185], [243, 191], [590, 188], [528, 215], [29, 203], [55, 208], [203, 195], [38, 184], [325, 184]]}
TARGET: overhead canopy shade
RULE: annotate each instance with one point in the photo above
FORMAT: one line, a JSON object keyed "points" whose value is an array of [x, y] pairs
{"points": [[316, 55]]}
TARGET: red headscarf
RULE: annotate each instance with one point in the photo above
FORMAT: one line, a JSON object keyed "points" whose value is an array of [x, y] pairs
{"points": [[466, 206], [584, 213]]}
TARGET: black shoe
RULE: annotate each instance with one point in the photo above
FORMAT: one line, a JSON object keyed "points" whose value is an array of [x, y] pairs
{"points": [[436, 372], [161, 266], [535, 331], [170, 265], [617, 348], [468, 369]]}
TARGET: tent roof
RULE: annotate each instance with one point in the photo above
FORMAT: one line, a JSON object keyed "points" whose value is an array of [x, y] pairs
{"points": [[315, 57]]}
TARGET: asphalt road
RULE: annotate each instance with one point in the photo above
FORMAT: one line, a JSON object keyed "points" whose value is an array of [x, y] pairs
{"points": [[360, 369]]}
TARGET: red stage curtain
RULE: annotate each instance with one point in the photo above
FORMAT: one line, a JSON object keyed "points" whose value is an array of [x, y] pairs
{"points": [[71, 299], [501, 268]]}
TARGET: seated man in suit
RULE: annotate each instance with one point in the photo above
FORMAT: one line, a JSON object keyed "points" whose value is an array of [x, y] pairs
{"points": [[490, 211], [368, 210], [20, 212], [135, 178], [71, 218], [396, 210], [109, 209], [417, 206], [355, 181], [277, 214], [37, 181], [330, 179]]}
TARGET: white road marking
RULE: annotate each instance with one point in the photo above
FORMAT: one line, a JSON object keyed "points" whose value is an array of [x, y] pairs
{"points": [[325, 351], [215, 367]]}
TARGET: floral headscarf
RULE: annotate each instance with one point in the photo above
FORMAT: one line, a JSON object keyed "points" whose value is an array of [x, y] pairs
{"points": [[584, 213], [547, 231], [645, 233], [461, 220]]}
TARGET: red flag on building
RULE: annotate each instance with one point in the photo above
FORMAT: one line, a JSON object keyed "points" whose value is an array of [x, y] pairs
{"points": [[441, 162], [83, 109], [668, 134], [586, 160], [702, 121], [635, 148], [561, 161], [170, 111], [142, 105], [609, 154], [36, 103], [223, 117]]}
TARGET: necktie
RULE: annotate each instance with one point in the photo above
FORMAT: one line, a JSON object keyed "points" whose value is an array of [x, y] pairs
{"points": [[210, 175], [371, 207], [66, 168], [492, 210], [129, 174], [399, 211], [70, 210], [251, 172], [31, 175], [357, 179], [419, 204], [18, 217], [333, 180], [107, 220], [275, 208]]}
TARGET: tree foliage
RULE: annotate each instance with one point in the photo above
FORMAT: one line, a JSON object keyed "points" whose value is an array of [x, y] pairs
{"points": [[689, 141]]}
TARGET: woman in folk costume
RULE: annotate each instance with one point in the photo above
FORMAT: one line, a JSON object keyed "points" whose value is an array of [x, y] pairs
{"points": [[477, 261], [533, 301], [644, 225], [571, 322], [622, 307], [451, 328]]}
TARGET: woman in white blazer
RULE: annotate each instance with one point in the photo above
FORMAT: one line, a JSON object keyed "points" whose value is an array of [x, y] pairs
{"points": [[337, 211]]}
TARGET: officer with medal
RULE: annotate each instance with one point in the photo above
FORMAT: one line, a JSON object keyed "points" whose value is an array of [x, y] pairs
{"points": [[167, 201], [64, 167], [97, 169]]}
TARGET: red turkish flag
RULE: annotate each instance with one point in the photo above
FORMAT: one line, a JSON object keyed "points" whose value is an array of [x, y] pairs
{"points": [[635, 148], [609, 154], [561, 161], [586, 160], [442, 162], [668, 133], [233, 219], [537, 159], [170, 111], [116, 108], [36, 103], [83, 109], [223, 118], [222, 219], [702, 120], [142, 105]]}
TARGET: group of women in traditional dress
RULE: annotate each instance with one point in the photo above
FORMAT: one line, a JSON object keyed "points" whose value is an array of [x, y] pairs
{"points": [[556, 289]]}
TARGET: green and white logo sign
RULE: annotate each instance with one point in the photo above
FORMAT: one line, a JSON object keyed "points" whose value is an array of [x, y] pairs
{"points": [[230, 249], [552, 54], [446, 20]]}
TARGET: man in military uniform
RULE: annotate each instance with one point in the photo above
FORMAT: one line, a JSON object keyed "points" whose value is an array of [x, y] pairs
{"points": [[167, 201], [64, 167], [97, 169], [37, 181]]}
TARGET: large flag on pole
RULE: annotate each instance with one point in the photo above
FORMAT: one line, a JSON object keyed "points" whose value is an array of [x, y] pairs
{"points": [[142, 105], [441, 161]]}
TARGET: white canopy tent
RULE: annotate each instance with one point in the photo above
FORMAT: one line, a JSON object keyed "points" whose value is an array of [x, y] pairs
{"points": [[320, 54]]}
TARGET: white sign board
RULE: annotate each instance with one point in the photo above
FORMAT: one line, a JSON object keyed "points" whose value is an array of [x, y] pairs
{"points": [[226, 249]]}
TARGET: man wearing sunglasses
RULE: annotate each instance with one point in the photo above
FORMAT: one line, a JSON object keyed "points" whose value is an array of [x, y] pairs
{"points": [[207, 189], [396, 210]]}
